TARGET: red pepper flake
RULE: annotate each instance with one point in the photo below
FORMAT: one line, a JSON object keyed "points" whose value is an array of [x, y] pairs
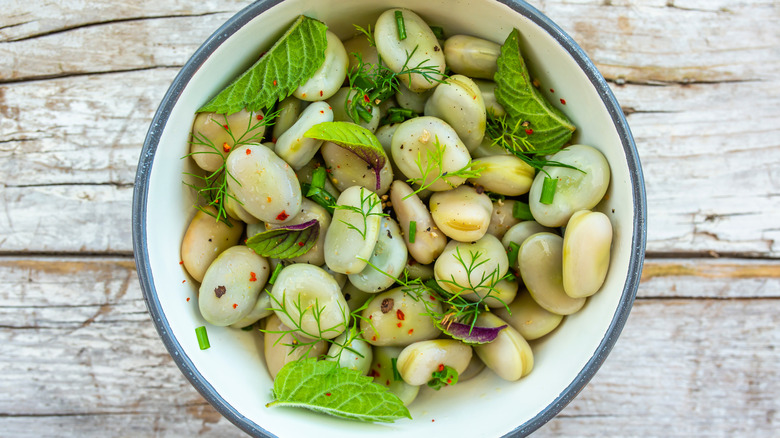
{"points": [[387, 382], [373, 338], [329, 170], [252, 276], [302, 95], [226, 127], [399, 324], [268, 199], [552, 91], [282, 216], [273, 139], [366, 99], [184, 281], [300, 243], [235, 305], [259, 117], [441, 367], [400, 314], [188, 299], [432, 420], [431, 297], [322, 112], [181, 262], [327, 394], [274, 82], [225, 147], [320, 93], [563, 101], [248, 151], [370, 316], [529, 131], [373, 373], [449, 381], [329, 107], [379, 365], [411, 331]]}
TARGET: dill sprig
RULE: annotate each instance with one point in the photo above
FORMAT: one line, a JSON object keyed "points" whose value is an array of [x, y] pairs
{"points": [[434, 167], [303, 338], [212, 190], [367, 205], [374, 83], [513, 136]]}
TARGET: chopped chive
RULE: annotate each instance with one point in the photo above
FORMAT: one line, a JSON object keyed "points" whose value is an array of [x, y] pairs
{"points": [[398, 115], [399, 21], [396, 375], [203, 338], [438, 31], [514, 249], [522, 211], [320, 196], [317, 179], [548, 190], [275, 274], [412, 231], [364, 114]]}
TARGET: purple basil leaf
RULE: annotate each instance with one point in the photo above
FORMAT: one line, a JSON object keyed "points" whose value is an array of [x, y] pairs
{"points": [[471, 335]]}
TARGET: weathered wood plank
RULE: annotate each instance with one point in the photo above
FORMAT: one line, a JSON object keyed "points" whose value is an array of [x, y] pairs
{"points": [[81, 355]]}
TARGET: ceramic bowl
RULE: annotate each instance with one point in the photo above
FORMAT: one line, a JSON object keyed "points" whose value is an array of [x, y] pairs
{"points": [[231, 375]]}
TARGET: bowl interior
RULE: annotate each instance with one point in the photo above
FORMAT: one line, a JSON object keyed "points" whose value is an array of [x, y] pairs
{"points": [[232, 374]]}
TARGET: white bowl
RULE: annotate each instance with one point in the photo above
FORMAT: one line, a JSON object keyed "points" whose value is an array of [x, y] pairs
{"points": [[231, 375]]}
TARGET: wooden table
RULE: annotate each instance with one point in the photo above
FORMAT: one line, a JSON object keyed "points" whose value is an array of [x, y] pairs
{"points": [[698, 79]]}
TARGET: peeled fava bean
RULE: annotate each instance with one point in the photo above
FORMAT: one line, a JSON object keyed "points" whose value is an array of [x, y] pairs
{"points": [[352, 235], [501, 294], [382, 372], [420, 42], [396, 319], [389, 256], [361, 46], [576, 189], [347, 170], [340, 101], [502, 218], [519, 232], [540, 259], [417, 139], [487, 258], [503, 174], [231, 285], [355, 297], [416, 270], [301, 287], [586, 246], [529, 318], [410, 100], [509, 355], [355, 355], [471, 56], [463, 214], [293, 146], [328, 78], [310, 210], [264, 183], [260, 310], [419, 361], [458, 102], [220, 131], [278, 350], [487, 149], [205, 239], [488, 90], [429, 241], [235, 210], [289, 110]]}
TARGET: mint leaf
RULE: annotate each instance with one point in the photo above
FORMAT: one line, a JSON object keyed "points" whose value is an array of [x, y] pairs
{"points": [[323, 386], [548, 126], [286, 242], [354, 138], [289, 63], [445, 376], [469, 334]]}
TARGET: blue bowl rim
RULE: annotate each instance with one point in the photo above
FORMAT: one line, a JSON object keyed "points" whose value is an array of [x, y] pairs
{"points": [[141, 189]]}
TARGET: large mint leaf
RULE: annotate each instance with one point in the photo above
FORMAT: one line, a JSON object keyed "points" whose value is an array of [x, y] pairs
{"points": [[356, 139], [548, 126], [291, 61], [286, 242], [325, 387]]}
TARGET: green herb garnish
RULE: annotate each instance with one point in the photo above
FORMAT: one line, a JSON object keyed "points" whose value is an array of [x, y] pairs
{"points": [[438, 31], [548, 190], [396, 375], [398, 115], [323, 386], [354, 138], [320, 196], [444, 376], [275, 274], [286, 242], [514, 250], [203, 338], [522, 211], [433, 169], [399, 23], [548, 127], [370, 205], [412, 231], [273, 77]]}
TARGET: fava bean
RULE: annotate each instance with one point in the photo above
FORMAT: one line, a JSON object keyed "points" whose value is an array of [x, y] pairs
{"points": [[278, 349], [586, 245], [463, 214], [471, 56], [458, 102], [540, 259], [389, 256], [205, 239], [293, 146], [354, 230], [231, 285], [420, 360], [327, 80], [393, 318], [214, 136], [429, 241], [509, 355]]}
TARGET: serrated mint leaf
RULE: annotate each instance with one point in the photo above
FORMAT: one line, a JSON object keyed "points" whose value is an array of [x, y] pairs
{"points": [[469, 334], [286, 242], [354, 138], [548, 127], [289, 63], [323, 386]]}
